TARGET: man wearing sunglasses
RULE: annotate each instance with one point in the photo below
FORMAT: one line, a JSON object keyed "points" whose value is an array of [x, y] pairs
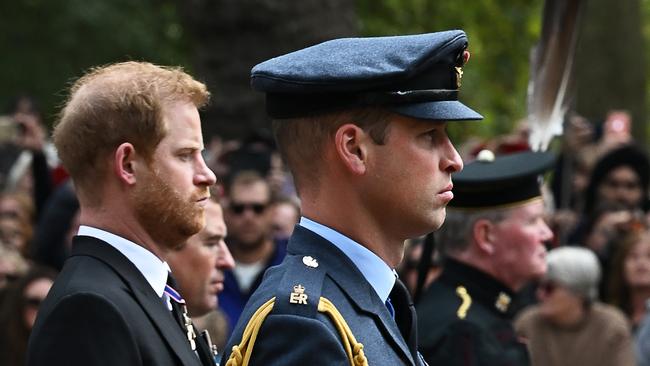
{"points": [[250, 239], [492, 243], [361, 123]]}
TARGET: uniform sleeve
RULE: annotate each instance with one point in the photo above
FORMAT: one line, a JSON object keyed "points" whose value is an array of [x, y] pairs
{"points": [[83, 329], [295, 340]]}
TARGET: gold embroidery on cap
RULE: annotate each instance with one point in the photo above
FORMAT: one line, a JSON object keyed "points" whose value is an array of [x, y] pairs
{"points": [[459, 76]]}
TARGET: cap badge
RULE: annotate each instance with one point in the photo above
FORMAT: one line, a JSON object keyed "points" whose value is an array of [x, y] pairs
{"points": [[485, 156], [298, 296], [503, 302], [309, 261], [462, 60], [459, 76]]}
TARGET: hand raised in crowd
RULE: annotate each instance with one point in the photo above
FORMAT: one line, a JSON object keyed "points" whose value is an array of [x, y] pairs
{"points": [[32, 134], [608, 225]]}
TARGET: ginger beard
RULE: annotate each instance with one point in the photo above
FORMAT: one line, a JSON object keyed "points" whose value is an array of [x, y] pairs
{"points": [[168, 217]]}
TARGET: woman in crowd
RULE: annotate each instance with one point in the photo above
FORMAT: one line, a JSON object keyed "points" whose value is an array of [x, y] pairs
{"points": [[18, 312], [629, 282], [618, 183], [569, 326]]}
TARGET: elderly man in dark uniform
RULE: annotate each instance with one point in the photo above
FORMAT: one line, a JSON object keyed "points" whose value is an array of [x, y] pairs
{"points": [[493, 245], [361, 123]]}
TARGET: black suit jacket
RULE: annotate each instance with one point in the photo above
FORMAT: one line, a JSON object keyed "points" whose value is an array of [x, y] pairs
{"points": [[102, 311], [298, 334]]}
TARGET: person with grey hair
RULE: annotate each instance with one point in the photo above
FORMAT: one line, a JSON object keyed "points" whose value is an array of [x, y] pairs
{"points": [[492, 244], [570, 326]]}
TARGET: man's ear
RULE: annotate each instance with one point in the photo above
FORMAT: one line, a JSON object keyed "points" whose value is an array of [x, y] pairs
{"points": [[482, 232], [349, 142], [125, 160]]}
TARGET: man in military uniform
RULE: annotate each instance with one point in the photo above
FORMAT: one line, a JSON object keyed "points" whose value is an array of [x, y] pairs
{"points": [[361, 123], [493, 244]]}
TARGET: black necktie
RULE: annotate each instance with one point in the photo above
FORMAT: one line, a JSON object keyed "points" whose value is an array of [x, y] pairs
{"points": [[405, 315]]}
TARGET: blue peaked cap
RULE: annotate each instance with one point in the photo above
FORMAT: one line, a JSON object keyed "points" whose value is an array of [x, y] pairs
{"points": [[416, 75]]}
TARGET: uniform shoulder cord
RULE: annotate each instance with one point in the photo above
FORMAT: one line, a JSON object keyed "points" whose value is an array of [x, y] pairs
{"points": [[241, 353]]}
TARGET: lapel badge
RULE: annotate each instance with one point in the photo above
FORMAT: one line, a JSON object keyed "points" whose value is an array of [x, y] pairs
{"points": [[503, 302], [309, 261], [298, 296]]}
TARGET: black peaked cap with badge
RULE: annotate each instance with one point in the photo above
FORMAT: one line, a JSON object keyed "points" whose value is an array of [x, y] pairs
{"points": [[500, 182], [417, 76]]}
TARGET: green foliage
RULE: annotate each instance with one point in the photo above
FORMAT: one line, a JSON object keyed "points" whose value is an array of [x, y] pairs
{"points": [[47, 44], [501, 34]]}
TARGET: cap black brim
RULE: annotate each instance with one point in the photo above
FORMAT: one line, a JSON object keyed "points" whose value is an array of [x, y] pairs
{"points": [[446, 110]]}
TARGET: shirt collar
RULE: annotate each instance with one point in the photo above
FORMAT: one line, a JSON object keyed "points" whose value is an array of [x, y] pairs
{"points": [[152, 268], [380, 276]]}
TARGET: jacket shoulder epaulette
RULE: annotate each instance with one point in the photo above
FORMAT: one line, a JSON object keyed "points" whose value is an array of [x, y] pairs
{"points": [[300, 287]]}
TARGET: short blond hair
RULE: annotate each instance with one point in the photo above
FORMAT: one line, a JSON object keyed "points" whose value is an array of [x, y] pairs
{"points": [[118, 103]]}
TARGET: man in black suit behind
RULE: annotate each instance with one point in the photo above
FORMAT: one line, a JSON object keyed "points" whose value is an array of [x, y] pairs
{"points": [[130, 137]]}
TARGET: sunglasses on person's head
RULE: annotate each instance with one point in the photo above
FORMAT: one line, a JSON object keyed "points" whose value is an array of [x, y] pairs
{"points": [[240, 208]]}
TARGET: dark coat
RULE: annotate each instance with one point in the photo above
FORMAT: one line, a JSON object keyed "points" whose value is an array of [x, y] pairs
{"points": [[481, 334], [102, 311], [297, 334]]}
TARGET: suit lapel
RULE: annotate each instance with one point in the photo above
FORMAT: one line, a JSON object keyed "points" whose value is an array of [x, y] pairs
{"points": [[351, 281], [159, 315]]}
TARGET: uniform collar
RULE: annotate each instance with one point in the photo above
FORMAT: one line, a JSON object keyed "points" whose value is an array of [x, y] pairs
{"points": [[380, 276], [480, 286]]}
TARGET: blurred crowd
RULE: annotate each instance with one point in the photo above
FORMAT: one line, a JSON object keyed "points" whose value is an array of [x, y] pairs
{"points": [[597, 201]]}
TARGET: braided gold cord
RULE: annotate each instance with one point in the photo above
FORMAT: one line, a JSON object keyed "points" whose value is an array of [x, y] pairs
{"points": [[353, 348], [250, 335], [241, 353]]}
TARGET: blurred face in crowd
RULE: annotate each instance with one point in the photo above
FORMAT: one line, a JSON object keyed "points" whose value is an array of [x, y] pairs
{"points": [[556, 300], [13, 234], [198, 267], [621, 187], [519, 252], [10, 207], [636, 266], [284, 217], [409, 182], [33, 295], [248, 216], [12, 265], [171, 195]]}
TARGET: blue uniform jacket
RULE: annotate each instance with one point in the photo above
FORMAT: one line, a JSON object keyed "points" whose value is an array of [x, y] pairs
{"points": [[297, 334]]}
